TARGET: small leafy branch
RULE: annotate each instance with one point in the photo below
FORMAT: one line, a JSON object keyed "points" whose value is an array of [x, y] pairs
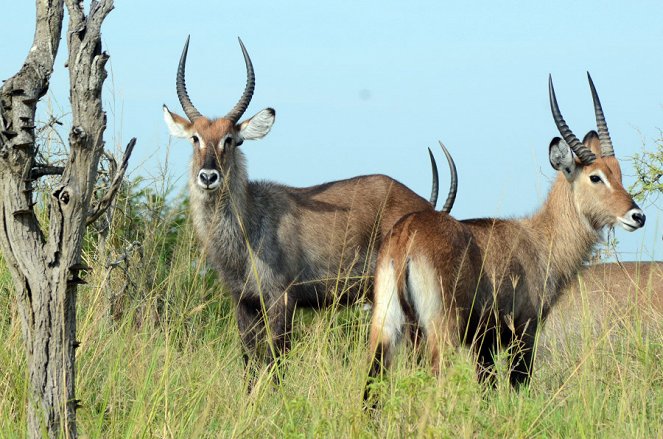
{"points": [[648, 166]]}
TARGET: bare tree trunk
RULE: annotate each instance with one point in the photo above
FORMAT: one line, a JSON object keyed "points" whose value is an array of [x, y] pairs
{"points": [[46, 271]]}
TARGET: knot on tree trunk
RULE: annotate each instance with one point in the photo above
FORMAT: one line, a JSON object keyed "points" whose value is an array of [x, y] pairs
{"points": [[64, 194], [77, 137]]}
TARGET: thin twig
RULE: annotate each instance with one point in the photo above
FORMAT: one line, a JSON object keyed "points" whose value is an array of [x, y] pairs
{"points": [[136, 245], [106, 201], [51, 122]]}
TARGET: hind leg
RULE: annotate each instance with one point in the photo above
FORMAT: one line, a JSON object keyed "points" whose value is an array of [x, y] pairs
{"points": [[435, 312], [441, 333], [387, 320], [387, 323]]}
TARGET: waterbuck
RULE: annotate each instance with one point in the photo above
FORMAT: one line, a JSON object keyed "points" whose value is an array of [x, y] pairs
{"points": [[603, 299], [489, 282], [274, 246], [634, 283]]}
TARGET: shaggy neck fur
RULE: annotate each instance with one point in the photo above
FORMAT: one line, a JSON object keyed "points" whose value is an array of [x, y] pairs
{"points": [[565, 237], [221, 217]]}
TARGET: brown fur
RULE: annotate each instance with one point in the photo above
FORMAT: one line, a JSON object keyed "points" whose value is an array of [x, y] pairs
{"points": [[496, 278], [605, 297], [277, 247], [638, 284], [213, 130]]}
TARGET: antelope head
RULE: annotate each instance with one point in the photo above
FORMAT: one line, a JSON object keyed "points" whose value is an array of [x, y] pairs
{"points": [[215, 141], [593, 171]]}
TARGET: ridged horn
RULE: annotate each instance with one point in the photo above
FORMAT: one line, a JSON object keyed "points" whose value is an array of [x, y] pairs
{"points": [[585, 155], [183, 96], [453, 184], [607, 149], [244, 101], [436, 186]]}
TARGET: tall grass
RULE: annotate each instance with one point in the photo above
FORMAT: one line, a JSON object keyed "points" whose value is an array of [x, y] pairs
{"points": [[160, 357]]}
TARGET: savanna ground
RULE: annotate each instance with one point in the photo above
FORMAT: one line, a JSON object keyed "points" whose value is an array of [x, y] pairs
{"points": [[159, 356]]}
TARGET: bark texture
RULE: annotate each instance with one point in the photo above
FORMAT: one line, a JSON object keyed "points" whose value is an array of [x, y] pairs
{"points": [[47, 268]]}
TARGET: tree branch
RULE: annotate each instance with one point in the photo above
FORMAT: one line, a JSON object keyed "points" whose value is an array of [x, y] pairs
{"points": [[107, 200], [40, 170]]}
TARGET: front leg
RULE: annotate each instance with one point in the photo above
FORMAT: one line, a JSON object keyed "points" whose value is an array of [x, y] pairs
{"points": [[251, 327], [523, 357], [279, 315]]}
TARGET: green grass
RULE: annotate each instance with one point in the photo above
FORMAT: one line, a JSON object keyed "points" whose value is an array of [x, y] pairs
{"points": [[160, 357]]}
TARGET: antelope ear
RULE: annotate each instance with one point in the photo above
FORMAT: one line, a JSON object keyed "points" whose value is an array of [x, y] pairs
{"points": [[177, 125], [561, 158], [258, 126]]}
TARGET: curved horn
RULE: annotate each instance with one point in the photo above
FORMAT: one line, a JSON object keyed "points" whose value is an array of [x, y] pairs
{"points": [[187, 106], [453, 184], [585, 155], [607, 149], [436, 186], [244, 101]]}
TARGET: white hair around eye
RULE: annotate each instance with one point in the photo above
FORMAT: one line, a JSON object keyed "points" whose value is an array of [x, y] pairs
{"points": [[226, 141], [197, 141]]}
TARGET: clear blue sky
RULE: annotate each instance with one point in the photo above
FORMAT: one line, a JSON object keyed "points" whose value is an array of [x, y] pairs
{"points": [[365, 87]]}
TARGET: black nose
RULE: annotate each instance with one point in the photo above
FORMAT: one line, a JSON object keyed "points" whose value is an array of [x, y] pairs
{"points": [[208, 177], [639, 218]]}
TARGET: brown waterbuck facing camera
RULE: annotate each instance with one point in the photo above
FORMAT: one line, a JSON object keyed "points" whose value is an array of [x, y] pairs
{"points": [[489, 282], [276, 247]]}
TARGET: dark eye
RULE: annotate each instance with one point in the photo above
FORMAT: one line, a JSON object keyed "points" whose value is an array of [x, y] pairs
{"points": [[595, 179], [227, 142], [194, 139]]}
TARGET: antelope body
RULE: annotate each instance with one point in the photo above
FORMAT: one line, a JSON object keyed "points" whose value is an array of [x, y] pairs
{"points": [[625, 284], [604, 298], [489, 282], [274, 246]]}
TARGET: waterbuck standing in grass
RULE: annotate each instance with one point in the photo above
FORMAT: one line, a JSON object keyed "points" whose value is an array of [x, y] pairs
{"points": [[637, 284], [274, 246], [489, 282], [604, 299]]}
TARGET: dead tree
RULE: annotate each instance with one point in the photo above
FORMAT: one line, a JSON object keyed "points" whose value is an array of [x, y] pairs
{"points": [[46, 267]]}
